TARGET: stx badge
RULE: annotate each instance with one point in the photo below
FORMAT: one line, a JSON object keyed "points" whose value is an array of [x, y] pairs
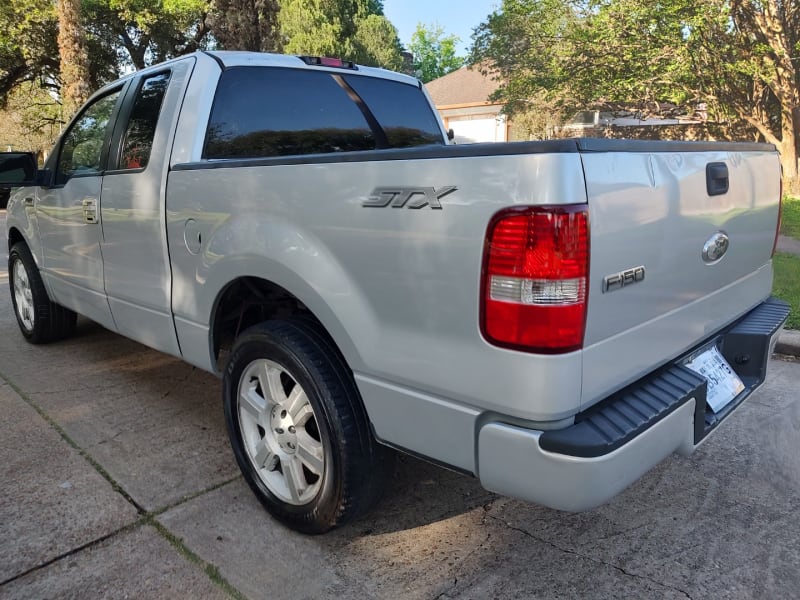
{"points": [[409, 197]]}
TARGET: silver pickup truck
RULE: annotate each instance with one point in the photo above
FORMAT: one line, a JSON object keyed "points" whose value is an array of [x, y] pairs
{"points": [[554, 318]]}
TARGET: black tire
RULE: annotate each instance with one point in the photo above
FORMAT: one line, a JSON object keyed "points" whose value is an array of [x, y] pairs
{"points": [[355, 465], [47, 321]]}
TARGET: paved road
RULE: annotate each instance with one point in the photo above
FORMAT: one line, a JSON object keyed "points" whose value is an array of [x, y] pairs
{"points": [[118, 482]]}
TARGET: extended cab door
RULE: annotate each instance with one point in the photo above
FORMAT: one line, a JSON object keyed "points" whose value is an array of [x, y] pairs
{"points": [[138, 279], [68, 208]]}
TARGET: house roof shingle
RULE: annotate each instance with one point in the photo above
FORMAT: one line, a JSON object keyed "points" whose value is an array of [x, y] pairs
{"points": [[466, 85]]}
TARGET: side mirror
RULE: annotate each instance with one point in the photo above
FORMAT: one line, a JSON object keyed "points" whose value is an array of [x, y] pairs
{"points": [[17, 169], [451, 135]]}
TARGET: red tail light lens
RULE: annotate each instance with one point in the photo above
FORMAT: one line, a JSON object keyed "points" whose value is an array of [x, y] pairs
{"points": [[535, 279]]}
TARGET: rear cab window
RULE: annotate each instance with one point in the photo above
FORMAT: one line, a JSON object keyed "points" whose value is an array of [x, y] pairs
{"points": [[137, 141], [262, 112]]}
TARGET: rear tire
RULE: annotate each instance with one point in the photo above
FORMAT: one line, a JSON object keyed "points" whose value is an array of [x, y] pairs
{"points": [[298, 428], [39, 319]]}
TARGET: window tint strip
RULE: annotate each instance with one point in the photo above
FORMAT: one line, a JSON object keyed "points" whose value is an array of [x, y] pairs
{"points": [[380, 134]]}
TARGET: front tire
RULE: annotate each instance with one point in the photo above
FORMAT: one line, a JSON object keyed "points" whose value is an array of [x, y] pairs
{"points": [[39, 319], [297, 426]]}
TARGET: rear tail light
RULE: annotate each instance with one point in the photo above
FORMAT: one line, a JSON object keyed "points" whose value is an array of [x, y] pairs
{"points": [[535, 272], [780, 217]]}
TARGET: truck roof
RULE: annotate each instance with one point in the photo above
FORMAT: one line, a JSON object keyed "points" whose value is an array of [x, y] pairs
{"points": [[232, 58], [235, 58]]}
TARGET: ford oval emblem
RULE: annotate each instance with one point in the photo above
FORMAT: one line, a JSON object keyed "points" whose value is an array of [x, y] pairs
{"points": [[716, 247]]}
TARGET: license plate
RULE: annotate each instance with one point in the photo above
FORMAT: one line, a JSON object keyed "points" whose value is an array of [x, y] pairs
{"points": [[723, 383]]}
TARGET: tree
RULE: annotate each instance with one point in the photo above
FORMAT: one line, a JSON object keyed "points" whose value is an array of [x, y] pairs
{"points": [[762, 39], [72, 52], [376, 43], [31, 119], [28, 48], [737, 56], [117, 35], [246, 25], [350, 29], [434, 52], [144, 32]]}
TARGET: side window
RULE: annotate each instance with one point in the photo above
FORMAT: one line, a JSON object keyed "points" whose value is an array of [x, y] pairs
{"points": [[264, 111], [83, 143], [141, 129]]}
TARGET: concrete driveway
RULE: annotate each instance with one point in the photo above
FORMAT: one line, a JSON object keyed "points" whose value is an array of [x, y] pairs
{"points": [[118, 482]]}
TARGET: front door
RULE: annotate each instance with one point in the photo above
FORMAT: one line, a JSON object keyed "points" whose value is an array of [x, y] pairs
{"points": [[68, 212]]}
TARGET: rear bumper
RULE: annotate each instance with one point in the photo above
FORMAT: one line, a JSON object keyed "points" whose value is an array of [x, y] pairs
{"points": [[616, 441]]}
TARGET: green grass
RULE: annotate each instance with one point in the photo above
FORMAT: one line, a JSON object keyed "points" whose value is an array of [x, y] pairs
{"points": [[787, 285], [790, 221]]}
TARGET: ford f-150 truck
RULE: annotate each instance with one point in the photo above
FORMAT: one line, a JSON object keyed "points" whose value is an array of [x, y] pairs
{"points": [[554, 317]]}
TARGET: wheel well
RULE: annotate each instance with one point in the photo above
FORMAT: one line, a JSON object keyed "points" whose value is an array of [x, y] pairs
{"points": [[14, 236], [245, 302]]}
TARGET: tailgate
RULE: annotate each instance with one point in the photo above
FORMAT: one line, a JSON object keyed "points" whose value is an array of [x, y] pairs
{"points": [[653, 293]]}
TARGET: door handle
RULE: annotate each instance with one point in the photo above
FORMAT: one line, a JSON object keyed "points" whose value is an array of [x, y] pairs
{"points": [[89, 210], [717, 179]]}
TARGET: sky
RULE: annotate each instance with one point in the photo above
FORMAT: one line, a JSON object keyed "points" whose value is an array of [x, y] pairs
{"points": [[457, 17]]}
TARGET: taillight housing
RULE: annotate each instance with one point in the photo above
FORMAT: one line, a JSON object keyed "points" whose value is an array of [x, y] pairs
{"points": [[534, 288]]}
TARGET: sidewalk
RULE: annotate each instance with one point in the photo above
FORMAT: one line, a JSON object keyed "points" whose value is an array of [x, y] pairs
{"points": [[789, 342], [789, 245]]}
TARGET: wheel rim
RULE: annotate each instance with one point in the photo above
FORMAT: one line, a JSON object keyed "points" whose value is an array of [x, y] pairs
{"points": [[23, 296], [280, 432]]}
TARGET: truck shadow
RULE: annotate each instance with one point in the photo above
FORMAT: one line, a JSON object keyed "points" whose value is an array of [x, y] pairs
{"points": [[417, 493]]}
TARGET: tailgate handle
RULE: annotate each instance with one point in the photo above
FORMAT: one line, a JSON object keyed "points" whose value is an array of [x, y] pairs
{"points": [[717, 178]]}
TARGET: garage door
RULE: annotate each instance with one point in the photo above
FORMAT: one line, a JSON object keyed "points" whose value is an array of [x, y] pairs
{"points": [[472, 131]]}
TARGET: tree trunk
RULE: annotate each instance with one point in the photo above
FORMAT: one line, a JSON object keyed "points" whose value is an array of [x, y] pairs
{"points": [[788, 150], [74, 62], [791, 177]]}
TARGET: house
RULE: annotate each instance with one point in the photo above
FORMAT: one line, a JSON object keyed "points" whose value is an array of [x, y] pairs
{"points": [[462, 99]]}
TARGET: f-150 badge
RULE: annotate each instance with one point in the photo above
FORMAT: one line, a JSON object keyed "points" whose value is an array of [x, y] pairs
{"points": [[408, 197], [617, 281]]}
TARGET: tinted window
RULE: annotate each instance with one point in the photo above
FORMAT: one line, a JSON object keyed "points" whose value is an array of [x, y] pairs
{"points": [[16, 167], [138, 140], [83, 143], [260, 111], [401, 109]]}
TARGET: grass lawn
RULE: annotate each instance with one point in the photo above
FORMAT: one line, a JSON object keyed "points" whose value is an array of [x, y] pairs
{"points": [[787, 285], [790, 221]]}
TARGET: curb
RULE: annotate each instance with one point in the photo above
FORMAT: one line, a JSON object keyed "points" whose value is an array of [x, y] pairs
{"points": [[789, 343]]}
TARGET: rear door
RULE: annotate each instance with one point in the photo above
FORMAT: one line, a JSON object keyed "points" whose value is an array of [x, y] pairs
{"points": [[137, 275]]}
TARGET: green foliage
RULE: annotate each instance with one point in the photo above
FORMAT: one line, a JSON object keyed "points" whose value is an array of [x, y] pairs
{"points": [[787, 285], [790, 219], [530, 44], [143, 32], [736, 56], [28, 48], [377, 44], [119, 34], [31, 120], [246, 25], [349, 29], [434, 52]]}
